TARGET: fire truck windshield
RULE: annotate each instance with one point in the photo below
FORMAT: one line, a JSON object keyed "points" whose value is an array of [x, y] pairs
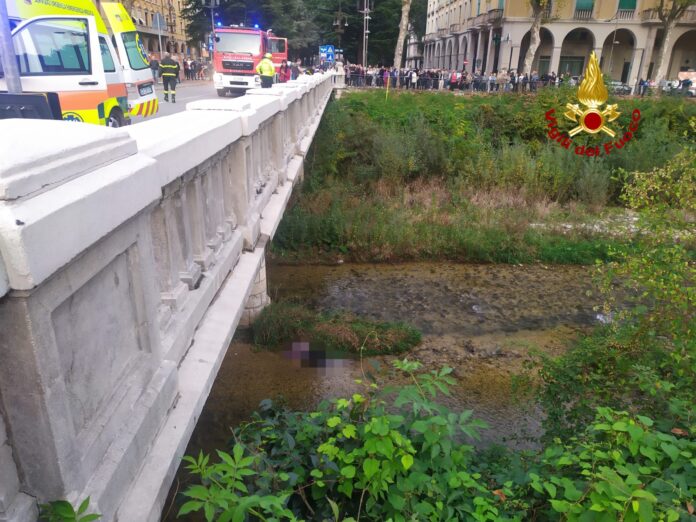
{"points": [[248, 43]]}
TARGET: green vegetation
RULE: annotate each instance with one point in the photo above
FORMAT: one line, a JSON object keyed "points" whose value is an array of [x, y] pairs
{"points": [[63, 511], [285, 322], [352, 458], [620, 437], [469, 179]]}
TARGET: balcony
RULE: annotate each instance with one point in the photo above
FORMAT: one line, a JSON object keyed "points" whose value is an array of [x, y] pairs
{"points": [[583, 14], [442, 32], [495, 16], [492, 17], [149, 29], [479, 20], [689, 15], [626, 14], [456, 28], [651, 16]]}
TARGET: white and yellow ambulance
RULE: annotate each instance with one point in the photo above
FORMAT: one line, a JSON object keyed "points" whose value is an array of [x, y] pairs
{"points": [[63, 46]]}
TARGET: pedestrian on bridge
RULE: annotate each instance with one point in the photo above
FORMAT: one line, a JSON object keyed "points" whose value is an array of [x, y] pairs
{"points": [[169, 71], [266, 70]]}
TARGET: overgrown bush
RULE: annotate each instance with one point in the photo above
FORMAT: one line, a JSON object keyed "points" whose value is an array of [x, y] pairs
{"points": [[286, 322], [374, 163], [401, 455]]}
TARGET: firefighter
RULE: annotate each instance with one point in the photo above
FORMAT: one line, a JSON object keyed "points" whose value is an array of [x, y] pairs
{"points": [[169, 71], [266, 70]]}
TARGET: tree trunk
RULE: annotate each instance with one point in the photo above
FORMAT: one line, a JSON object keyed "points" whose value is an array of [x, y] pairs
{"points": [[534, 41], [403, 30], [662, 65]]}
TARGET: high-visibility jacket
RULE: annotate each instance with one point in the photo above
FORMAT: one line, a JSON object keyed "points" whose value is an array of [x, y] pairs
{"points": [[169, 67], [265, 67]]}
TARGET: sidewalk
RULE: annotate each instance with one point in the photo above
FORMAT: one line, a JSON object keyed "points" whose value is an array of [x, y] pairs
{"points": [[188, 83]]}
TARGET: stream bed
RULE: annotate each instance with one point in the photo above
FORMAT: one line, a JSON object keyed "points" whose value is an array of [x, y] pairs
{"points": [[484, 321]]}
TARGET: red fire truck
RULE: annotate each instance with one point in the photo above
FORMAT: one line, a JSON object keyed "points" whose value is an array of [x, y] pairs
{"points": [[237, 51]]}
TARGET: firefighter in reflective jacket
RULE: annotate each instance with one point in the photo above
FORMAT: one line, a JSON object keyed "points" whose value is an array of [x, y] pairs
{"points": [[169, 71], [266, 70]]}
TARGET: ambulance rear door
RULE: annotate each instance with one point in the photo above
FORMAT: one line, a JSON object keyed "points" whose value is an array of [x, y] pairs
{"points": [[142, 98], [62, 54]]}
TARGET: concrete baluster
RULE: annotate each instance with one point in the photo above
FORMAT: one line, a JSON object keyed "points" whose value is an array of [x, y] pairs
{"points": [[190, 272], [202, 253], [208, 196], [217, 207], [167, 257]]}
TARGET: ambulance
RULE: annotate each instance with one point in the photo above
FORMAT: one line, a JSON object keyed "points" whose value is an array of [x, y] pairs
{"points": [[63, 46]]}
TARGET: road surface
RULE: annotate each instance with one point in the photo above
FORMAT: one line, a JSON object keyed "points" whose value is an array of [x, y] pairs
{"points": [[186, 91]]}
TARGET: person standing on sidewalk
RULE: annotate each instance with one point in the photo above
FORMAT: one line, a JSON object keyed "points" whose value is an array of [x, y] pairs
{"points": [[266, 70], [169, 71], [154, 67]]}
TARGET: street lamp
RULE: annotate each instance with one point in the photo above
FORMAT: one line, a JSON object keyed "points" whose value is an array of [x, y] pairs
{"points": [[367, 9], [171, 20], [212, 6], [508, 40], [339, 23], [7, 62], [613, 41]]}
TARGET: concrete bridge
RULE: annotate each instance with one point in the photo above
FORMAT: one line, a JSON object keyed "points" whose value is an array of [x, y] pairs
{"points": [[128, 259]]}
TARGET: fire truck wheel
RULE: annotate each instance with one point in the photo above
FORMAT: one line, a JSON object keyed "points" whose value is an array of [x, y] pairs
{"points": [[222, 93], [116, 119]]}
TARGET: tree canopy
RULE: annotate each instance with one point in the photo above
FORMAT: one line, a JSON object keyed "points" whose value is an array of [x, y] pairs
{"points": [[310, 23]]}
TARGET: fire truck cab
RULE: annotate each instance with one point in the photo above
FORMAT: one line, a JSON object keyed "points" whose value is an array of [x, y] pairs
{"points": [[236, 53]]}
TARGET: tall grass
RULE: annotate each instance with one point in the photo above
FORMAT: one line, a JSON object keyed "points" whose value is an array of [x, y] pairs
{"points": [[427, 175]]}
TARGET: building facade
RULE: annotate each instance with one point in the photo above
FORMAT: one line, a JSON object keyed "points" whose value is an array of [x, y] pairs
{"points": [[414, 57], [160, 21], [492, 35]]}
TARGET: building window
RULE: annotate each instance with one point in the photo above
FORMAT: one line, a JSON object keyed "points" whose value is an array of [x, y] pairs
{"points": [[627, 5], [572, 65]]}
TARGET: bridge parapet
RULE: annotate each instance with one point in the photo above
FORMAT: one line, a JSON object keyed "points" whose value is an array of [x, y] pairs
{"points": [[127, 259]]}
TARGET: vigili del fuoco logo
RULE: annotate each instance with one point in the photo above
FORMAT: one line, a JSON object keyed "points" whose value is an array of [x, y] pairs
{"points": [[592, 115]]}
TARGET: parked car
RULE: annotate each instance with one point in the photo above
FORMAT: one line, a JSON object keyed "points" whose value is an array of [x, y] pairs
{"points": [[678, 87], [620, 88]]}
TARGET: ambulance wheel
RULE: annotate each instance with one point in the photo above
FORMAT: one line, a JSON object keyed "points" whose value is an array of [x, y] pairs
{"points": [[222, 93], [116, 119]]}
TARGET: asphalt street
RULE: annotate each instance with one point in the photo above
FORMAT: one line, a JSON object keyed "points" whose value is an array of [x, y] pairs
{"points": [[186, 91]]}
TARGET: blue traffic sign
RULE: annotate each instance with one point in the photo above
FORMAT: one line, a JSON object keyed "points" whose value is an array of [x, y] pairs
{"points": [[326, 53]]}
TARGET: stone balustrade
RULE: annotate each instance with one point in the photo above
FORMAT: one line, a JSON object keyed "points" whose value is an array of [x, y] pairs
{"points": [[127, 259]]}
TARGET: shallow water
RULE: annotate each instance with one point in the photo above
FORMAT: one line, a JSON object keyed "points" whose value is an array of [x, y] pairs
{"points": [[482, 320]]}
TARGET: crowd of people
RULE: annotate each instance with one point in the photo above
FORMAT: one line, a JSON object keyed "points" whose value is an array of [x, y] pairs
{"points": [[192, 69], [439, 79], [497, 81]]}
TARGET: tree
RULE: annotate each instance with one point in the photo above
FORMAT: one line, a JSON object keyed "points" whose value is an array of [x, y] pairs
{"points": [[668, 11], [299, 22], [403, 31], [538, 10]]}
